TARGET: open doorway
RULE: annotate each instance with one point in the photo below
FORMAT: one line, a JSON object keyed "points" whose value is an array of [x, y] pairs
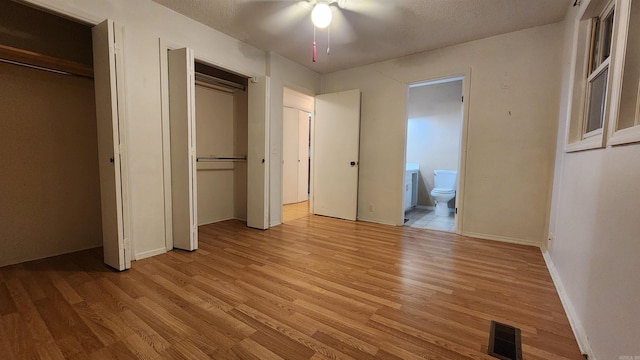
{"points": [[435, 121], [296, 150]]}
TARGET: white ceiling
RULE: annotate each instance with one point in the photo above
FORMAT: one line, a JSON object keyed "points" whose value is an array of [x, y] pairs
{"points": [[366, 31]]}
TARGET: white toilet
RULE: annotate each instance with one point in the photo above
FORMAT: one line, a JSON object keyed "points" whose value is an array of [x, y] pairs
{"points": [[444, 190]]}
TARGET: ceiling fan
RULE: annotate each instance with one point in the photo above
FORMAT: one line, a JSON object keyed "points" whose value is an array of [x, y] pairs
{"points": [[342, 17]]}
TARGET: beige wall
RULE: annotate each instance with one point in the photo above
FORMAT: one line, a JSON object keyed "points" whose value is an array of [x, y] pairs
{"points": [[214, 137], [594, 221], [434, 130], [513, 107], [50, 187]]}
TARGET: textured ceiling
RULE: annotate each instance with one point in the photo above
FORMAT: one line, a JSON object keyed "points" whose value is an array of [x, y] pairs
{"points": [[366, 31]]}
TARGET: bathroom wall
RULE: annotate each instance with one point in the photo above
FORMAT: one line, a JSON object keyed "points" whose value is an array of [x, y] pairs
{"points": [[434, 130], [50, 186]]}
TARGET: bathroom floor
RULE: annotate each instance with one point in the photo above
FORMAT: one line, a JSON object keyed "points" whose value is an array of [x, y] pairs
{"points": [[427, 219]]}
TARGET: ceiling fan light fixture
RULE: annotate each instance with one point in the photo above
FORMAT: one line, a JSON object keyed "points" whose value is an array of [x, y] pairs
{"points": [[321, 15]]}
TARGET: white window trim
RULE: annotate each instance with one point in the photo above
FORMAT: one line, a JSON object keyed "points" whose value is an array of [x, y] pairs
{"points": [[621, 33], [595, 139], [597, 72]]}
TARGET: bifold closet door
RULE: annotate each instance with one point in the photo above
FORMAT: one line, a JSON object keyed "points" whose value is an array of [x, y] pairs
{"points": [[295, 156], [290, 155], [335, 154], [257, 153], [107, 65], [303, 156], [183, 148]]}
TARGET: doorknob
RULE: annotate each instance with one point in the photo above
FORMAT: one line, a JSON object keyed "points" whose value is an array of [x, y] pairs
{"points": [[353, 163], [111, 160]]}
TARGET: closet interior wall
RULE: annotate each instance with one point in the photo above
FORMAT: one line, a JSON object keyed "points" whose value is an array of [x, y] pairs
{"points": [[50, 185], [221, 132]]}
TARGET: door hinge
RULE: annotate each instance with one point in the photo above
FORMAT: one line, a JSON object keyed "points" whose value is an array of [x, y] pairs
{"points": [[462, 99]]}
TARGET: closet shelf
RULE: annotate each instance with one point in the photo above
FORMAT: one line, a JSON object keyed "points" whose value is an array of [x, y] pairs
{"points": [[44, 61]]}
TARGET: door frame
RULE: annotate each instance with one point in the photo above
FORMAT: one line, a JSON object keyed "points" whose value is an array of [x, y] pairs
{"points": [[277, 165], [462, 160]]}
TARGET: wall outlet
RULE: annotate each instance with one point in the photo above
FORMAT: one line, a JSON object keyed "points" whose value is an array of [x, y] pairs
{"points": [[371, 208]]}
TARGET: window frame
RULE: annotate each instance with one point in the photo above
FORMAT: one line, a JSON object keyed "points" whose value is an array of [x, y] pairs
{"points": [[629, 134], [594, 14]]}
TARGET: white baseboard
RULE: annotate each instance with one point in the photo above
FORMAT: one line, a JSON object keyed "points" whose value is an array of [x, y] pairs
{"points": [[501, 238], [574, 321], [377, 221], [150, 253]]}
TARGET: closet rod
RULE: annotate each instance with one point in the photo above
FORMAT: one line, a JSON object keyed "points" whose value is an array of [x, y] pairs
{"points": [[221, 158], [36, 67], [43, 62], [218, 82]]}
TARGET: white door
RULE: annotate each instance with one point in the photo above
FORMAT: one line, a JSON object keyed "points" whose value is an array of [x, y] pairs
{"points": [[303, 156], [107, 65], [336, 152], [290, 154], [257, 153], [182, 122]]}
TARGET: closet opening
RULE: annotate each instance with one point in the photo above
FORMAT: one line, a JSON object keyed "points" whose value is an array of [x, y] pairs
{"points": [[50, 200], [214, 146], [221, 144]]}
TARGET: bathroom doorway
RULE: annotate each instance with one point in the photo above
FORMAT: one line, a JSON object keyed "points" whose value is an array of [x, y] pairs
{"points": [[434, 139]]}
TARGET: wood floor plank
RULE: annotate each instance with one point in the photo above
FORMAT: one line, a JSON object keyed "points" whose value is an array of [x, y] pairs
{"points": [[49, 351], [249, 349], [7, 305], [313, 288], [37, 329]]}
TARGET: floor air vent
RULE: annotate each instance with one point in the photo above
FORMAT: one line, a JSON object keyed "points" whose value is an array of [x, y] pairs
{"points": [[504, 342]]}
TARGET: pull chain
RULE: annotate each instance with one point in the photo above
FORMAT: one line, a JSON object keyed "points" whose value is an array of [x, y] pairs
{"points": [[314, 43], [328, 40]]}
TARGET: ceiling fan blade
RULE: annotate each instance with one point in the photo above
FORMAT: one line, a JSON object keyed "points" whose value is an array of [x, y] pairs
{"points": [[274, 16], [285, 18], [342, 31], [380, 10]]}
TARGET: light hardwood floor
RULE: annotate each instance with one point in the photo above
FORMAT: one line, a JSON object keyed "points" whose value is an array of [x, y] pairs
{"points": [[295, 211], [314, 288]]}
